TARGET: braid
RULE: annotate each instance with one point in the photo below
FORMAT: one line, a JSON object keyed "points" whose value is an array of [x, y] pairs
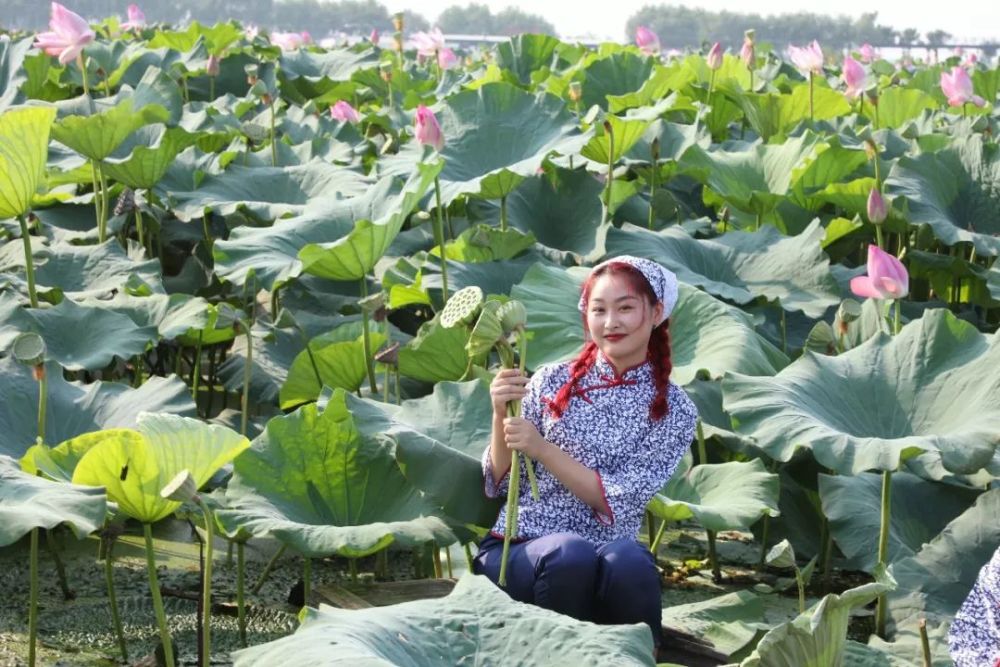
{"points": [[577, 369], [659, 357]]}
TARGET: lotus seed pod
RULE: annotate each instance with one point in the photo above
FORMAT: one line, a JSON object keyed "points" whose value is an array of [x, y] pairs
{"points": [[849, 310], [388, 355], [372, 303], [513, 316], [462, 307], [29, 349], [781, 555], [487, 331], [181, 488]]}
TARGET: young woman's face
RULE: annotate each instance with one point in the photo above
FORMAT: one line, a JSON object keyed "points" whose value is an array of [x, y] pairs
{"points": [[620, 321]]}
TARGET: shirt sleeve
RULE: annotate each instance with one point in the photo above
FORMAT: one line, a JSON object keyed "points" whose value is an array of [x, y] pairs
{"points": [[531, 409], [634, 480], [974, 636]]}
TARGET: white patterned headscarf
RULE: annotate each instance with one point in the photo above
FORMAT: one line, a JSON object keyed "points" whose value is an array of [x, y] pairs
{"points": [[662, 280]]}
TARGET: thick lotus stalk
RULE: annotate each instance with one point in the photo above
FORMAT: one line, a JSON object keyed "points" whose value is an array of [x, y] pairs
{"points": [[369, 304], [462, 307], [109, 536], [881, 609], [154, 589]]}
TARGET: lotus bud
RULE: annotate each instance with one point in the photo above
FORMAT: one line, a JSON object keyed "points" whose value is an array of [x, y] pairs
{"points": [[373, 37], [388, 355], [513, 316], [877, 209], [655, 150], [747, 51], [385, 72], [181, 488], [212, 68], [29, 349], [397, 21], [781, 555], [575, 91], [462, 307], [252, 71], [426, 128], [373, 303], [487, 331], [714, 58], [871, 149]]}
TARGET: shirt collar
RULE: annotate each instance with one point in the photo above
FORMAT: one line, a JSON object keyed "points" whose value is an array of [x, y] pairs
{"points": [[606, 368]]}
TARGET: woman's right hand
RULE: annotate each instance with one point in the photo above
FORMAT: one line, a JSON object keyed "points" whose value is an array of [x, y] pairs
{"points": [[508, 385]]}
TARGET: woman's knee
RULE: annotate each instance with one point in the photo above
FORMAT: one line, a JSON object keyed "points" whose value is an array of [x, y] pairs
{"points": [[627, 555], [566, 553]]}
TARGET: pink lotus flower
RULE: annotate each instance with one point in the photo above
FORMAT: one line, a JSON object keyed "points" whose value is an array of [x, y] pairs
{"points": [[957, 86], [428, 43], [136, 19], [647, 41], [212, 67], [867, 53], [714, 58], [344, 112], [426, 128], [747, 54], [855, 77], [373, 38], [447, 58], [68, 34], [289, 41], [971, 59], [807, 58], [877, 209], [887, 277]]}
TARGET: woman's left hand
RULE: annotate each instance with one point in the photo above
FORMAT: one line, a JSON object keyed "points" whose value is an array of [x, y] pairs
{"points": [[521, 434]]}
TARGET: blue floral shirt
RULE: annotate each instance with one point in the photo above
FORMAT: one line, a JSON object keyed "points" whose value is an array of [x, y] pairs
{"points": [[607, 428], [974, 638]]}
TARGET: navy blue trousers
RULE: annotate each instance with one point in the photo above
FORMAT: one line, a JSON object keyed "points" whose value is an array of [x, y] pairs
{"points": [[612, 583]]}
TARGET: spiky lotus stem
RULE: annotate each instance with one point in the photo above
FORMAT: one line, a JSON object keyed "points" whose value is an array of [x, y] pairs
{"points": [[154, 589]]}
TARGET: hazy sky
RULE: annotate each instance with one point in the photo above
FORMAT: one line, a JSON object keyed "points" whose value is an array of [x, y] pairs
{"points": [[964, 19]]}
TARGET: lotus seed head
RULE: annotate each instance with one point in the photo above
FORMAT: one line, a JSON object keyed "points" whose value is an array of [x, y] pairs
{"points": [[181, 488], [462, 307]]}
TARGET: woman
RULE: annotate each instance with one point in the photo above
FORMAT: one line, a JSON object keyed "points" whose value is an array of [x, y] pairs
{"points": [[605, 432], [974, 638]]}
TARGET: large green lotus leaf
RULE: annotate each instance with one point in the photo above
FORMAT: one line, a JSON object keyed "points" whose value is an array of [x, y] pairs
{"points": [[267, 193], [334, 64], [733, 622], [816, 638], [495, 137], [707, 335], [935, 581], [741, 266], [614, 75], [897, 106], [606, 147], [339, 358], [880, 403], [79, 338], [326, 227], [523, 54], [28, 502], [135, 469], [477, 623], [75, 408], [956, 191], [562, 208], [492, 277], [721, 496], [439, 440], [978, 284], [143, 159], [436, 353], [274, 352], [905, 650], [96, 136], [919, 511], [674, 138], [715, 422], [752, 177], [82, 271], [314, 482], [352, 257], [13, 74], [777, 114], [24, 145], [172, 314], [483, 243], [59, 462]]}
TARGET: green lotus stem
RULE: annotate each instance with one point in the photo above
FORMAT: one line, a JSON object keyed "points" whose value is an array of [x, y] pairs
{"points": [[154, 588], [810, 96], [447, 558], [306, 580], [33, 601], [206, 586], [247, 372], [896, 319], [436, 559], [398, 398], [655, 544], [925, 644], [60, 569], [385, 384], [883, 548], [711, 86], [382, 564], [196, 370], [105, 204], [802, 590], [352, 564], [274, 147], [97, 200], [650, 526], [139, 228], [275, 302], [713, 557], [760, 220], [878, 236], [211, 88], [109, 580], [83, 73], [241, 604], [827, 553], [367, 340], [611, 170], [468, 556], [43, 399], [655, 150], [503, 213], [522, 351], [702, 451], [510, 521], [439, 235], [29, 260], [267, 570]]}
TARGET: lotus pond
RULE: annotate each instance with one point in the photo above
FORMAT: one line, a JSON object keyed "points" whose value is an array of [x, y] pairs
{"points": [[224, 269]]}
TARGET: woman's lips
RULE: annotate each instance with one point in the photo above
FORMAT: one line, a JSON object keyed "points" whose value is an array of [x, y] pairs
{"points": [[615, 337]]}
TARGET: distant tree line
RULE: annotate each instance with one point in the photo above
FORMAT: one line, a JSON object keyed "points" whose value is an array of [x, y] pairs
{"points": [[684, 27], [476, 19]]}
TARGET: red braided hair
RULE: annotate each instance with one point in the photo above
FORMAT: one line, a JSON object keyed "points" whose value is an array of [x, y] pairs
{"points": [[658, 351]]}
